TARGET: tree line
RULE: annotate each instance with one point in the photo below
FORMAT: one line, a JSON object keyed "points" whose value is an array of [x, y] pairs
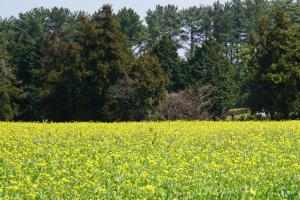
{"points": [[59, 65]]}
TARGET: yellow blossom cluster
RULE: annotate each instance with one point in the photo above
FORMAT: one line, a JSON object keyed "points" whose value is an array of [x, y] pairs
{"points": [[150, 160]]}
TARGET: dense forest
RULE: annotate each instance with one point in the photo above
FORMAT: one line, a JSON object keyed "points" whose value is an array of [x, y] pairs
{"points": [[195, 63]]}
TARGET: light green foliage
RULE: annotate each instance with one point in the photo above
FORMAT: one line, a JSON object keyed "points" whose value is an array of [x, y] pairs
{"points": [[180, 160], [75, 58]]}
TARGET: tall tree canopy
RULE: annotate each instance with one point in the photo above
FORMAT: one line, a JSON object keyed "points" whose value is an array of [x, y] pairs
{"points": [[131, 25], [163, 21], [74, 66], [275, 67], [85, 68], [210, 67], [166, 53], [10, 94], [136, 96], [196, 27]]}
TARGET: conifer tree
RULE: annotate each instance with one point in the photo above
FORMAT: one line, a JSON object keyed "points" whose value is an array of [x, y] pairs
{"points": [[136, 96], [166, 53], [106, 55], [62, 74], [210, 67], [10, 94], [196, 27], [163, 21], [275, 68], [131, 25], [114, 45]]}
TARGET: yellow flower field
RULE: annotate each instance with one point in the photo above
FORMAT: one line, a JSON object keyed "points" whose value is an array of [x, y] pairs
{"points": [[163, 160]]}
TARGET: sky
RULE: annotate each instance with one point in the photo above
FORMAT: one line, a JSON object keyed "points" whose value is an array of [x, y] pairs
{"points": [[14, 7]]}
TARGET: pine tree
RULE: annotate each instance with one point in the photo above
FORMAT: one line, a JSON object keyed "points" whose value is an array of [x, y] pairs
{"points": [[163, 21], [196, 27], [131, 25], [26, 51]]}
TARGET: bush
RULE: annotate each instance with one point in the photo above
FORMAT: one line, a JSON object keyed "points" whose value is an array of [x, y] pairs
{"points": [[193, 103]]}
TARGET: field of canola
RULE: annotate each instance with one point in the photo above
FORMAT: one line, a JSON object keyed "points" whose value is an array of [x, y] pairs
{"points": [[163, 160]]}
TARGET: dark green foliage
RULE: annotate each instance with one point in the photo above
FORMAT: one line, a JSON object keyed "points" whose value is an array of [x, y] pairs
{"points": [[275, 66], [62, 74], [63, 66], [222, 22], [112, 56], [255, 9], [210, 67], [136, 95], [10, 94], [196, 27], [25, 52], [163, 21], [150, 80], [26, 49], [62, 22], [166, 53], [81, 72], [131, 25], [113, 46]]}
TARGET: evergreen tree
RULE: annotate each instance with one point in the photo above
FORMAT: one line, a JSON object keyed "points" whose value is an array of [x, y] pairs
{"points": [[116, 52], [106, 55], [150, 82], [163, 21], [136, 95], [131, 25], [38, 46], [210, 67], [62, 74], [254, 11], [26, 52], [62, 22], [196, 27], [222, 23], [275, 68], [166, 53], [10, 94], [80, 72]]}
